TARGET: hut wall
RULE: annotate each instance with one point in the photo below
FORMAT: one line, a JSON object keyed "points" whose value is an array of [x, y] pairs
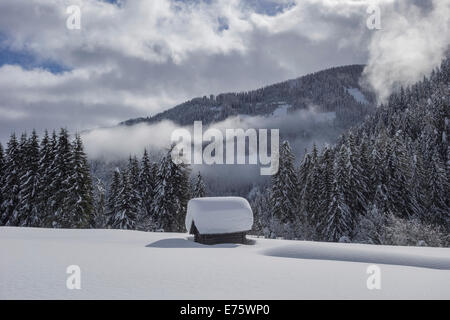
{"points": [[237, 237]]}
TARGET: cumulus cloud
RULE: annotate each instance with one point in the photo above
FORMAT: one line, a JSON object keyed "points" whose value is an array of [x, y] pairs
{"points": [[412, 42], [137, 58]]}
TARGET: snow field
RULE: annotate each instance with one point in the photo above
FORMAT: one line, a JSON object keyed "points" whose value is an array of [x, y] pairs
{"points": [[118, 264]]}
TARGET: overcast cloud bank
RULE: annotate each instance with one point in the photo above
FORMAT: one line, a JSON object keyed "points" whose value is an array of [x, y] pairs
{"points": [[137, 58]]}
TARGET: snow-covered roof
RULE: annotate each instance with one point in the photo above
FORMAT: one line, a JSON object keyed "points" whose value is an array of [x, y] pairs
{"points": [[217, 215]]}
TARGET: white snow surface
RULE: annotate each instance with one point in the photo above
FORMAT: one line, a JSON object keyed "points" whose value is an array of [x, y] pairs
{"points": [[217, 215], [118, 264]]}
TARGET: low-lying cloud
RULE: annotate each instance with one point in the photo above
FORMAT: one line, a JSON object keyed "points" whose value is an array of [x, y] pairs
{"points": [[301, 128]]}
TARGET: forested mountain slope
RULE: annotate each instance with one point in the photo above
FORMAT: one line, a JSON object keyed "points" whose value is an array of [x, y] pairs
{"points": [[332, 90], [385, 181]]}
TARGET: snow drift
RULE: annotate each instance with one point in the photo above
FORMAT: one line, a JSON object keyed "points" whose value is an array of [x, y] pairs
{"points": [[357, 253]]}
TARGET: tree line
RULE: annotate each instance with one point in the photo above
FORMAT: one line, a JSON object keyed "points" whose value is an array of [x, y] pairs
{"points": [[47, 183]]}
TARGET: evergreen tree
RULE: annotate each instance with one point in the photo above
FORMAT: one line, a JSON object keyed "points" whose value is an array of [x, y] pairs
{"points": [[21, 170], [147, 189], [2, 165], [400, 202], [262, 217], [284, 190], [357, 175], [199, 190], [356, 182], [303, 174], [128, 206], [134, 176], [419, 185], [437, 190], [325, 186], [311, 200], [182, 192], [171, 194], [99, 220], [378, 165], [60, 187], [11, 182], [79, 200], [28, 208], [365, 169], [339, 219], [46, 178], [113, 209]]}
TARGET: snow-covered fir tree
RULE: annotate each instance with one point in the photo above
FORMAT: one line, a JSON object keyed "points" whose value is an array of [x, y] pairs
{"points": [[285, 186], [259, 201], [147, 181], [135, 195], [171, 194], [10, 182], [17, 217], [437, 190], [310, 204], [28, 207], [46, 178], [99, 220], [113, 205], [199, 188], [80, 193], [122, 210], [128, 206], [2, 165], [325, 189], [303, 174], [339, 219], [357, 181], [61, 172]]}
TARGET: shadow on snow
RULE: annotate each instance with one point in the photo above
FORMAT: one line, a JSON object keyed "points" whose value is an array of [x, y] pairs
{"points": [[363, 254], [186, 243]]}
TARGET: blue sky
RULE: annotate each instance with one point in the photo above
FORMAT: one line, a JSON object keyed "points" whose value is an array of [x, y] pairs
{"points": [[28, 60]]}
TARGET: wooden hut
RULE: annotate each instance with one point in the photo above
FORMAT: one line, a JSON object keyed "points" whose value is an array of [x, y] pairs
{"points": [[219, 219]]}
